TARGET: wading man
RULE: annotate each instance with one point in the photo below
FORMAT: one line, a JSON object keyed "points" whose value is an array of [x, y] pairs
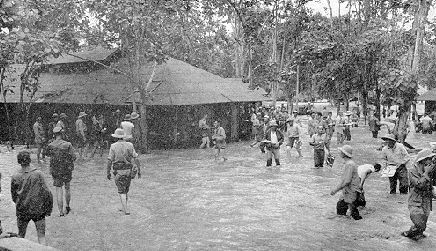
{"points": [[61, 168], [123, 160], [32, 197], [274, 139], [394, 159], [349, 185], [421, 193]]}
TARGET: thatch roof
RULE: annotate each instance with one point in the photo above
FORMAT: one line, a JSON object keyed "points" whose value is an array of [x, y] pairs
{"points": [[98, 54], [175, 83], [428, 96]]}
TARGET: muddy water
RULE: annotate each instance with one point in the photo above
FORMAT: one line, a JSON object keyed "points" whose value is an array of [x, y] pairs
{"points": [[188, 201]]}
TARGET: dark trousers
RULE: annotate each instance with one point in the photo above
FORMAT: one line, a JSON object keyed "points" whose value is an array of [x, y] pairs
{"points": [[347, 133], [342, 207], [401, 175], [318, 157], [419, 216], [374, 134]]}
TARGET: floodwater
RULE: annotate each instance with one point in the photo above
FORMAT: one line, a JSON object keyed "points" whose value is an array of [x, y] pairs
{"points": [[188, 201]]}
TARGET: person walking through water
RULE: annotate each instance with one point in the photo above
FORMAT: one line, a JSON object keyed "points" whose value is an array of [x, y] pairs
{"points": [[274, 139], [293, 135], [32, 197], [219, 139], [394, 160], [123, 160], [349, 185], [422, 177], [374, 124], [40, 139], [204, 128], [81, 134], [61, 168], [97, 132], [318, 141], [340, 127]]}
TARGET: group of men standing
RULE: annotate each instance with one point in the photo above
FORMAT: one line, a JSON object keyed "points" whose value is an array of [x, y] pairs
{"points": [[88, 135], [270, 134]]}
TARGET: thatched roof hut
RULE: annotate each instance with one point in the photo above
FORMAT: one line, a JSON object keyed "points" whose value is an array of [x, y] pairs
{"points": [[69, 80]]}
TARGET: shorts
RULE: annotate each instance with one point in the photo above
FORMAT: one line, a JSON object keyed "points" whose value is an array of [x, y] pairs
{"points": [[292, 141], [122, 181], [59, 181], [26, 219]]}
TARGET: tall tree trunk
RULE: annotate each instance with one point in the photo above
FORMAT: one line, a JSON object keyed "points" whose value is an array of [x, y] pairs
{"points": [[401, 125], [418, 28], [274, 55], [238, 53], [250, 67], [5, 104], [378, 101], [331, 13], [143, 146], [365, 103]]}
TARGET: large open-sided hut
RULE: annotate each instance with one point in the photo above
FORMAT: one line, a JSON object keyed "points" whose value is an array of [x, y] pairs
{"points": [[181, 95]]}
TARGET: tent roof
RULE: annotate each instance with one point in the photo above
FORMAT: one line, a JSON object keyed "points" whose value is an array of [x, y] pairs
{"points": [[98, 54], [428, 96], [175, 83]]}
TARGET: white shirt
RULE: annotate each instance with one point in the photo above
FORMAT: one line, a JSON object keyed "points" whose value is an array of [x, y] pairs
{"points": [[274, 139], [128, 128], [361, 170]]}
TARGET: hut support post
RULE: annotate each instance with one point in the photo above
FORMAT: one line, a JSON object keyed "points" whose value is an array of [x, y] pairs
{"points": [[234, 135]]}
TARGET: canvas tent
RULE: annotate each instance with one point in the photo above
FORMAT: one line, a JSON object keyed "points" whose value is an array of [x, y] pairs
{"points": [[73, 84]]}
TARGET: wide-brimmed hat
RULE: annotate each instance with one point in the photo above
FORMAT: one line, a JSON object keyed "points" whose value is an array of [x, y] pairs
{"points": [[424, 154], [347, 113], [389, 137], [273, 123], [55, 115], [57, 129], [134, 115], [127, 117], [82, 114], [347, 150], [63, 115], [119, 133]]}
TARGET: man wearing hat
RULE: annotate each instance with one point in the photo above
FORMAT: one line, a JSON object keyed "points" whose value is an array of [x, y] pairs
{"points": [[262, 131], [61, 122], [40, 140], [394, 160], [422, 191], [81, 133], [318, 141], [340, 126], [61, 168], [122, 156], [349, 184], [128, 126], [347, 128], [295, 117], [312, 124], [274, 139], [51, 126], [293, 135]]}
